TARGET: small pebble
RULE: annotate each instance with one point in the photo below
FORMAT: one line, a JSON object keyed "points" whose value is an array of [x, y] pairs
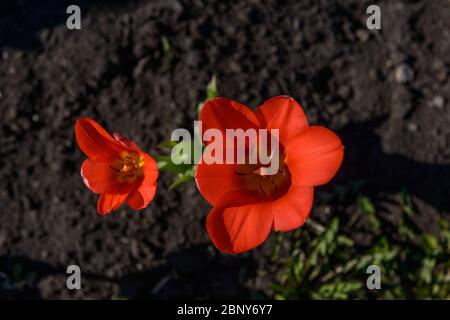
{"points": [[362, 35], [389, 63], [68, 143], [441, 75], [344, 91], [296, 24], [403, 73], [334, 108], [35, 184], [373, 74], [412, 126], [140, 66], [440, 70], [438, 102]]}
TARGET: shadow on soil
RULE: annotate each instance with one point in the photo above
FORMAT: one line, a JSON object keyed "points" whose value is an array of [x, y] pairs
{"points": [[194, 273], [391, 173], [22, 21]]}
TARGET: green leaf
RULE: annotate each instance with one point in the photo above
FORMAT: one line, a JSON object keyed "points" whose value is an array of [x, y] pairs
{"points": [[165, 164], [211, 93], [338, 290], [444, 225], [211, 88], [200, 107], [426, 271], [183, 178], [366, 205], [430, 244], [167, 52], [277, 247], [165, 45], [167, 144], [298, 265], [368, 208], [345, 241], [407, 203]]}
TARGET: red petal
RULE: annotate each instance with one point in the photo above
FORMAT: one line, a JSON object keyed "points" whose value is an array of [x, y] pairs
{"points": [[100, 178], [126, 142], [95, 142], [221, 186], [239, 229], [283, 113], [291, 210], [217, 232], [110, 202], [144, 194], [314, 156], [140, 198], [150, 170], [222, 114]]}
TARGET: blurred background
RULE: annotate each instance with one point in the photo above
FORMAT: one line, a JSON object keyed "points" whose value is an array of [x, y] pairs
{"points": [[141, 68]]}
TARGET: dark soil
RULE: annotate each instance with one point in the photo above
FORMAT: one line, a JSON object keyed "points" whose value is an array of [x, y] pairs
{"points": [[396, 134]]}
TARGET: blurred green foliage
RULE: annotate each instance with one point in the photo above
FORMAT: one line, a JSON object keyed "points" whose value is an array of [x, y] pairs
{"points": [[167, 53], [211, 93], [326, 263]]}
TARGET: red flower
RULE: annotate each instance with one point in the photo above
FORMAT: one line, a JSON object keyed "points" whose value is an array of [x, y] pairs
{"points": [[117, 168], [248, 204]]}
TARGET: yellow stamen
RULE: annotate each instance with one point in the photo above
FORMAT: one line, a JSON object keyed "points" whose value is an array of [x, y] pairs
{"points": [[128, 166]]}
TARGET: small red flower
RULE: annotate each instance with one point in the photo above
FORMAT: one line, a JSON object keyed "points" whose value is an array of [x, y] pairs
{"points": [[117, 168], [248, 204]]}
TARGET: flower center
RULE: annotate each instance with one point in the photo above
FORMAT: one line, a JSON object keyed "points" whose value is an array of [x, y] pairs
{"points": [[128, 166], [270, 187]]}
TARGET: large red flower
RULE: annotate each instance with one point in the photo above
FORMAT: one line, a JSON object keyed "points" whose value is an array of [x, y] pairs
{"points": [[248, 204], [117, 168]]}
